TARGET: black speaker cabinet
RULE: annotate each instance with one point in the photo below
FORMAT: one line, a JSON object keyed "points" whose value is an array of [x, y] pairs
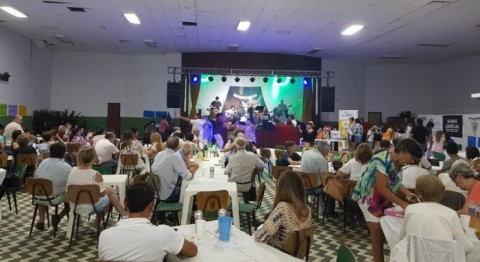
{"points": [[173, 95]]}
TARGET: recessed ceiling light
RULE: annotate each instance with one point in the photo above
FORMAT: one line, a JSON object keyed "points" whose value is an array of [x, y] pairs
{"points": [[189, 23], [132, 18], [76, 9], [13, 11], [475, 95], [243, 25], [353, 29]]}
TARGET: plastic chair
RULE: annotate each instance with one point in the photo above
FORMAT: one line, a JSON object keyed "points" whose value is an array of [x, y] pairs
{"points": [[211, 201], [345, 254], [12, 189], [298, 242], [41, 191], [86, 194]]}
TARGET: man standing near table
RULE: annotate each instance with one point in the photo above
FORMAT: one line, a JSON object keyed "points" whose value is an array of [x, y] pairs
{"points": [[241, 165], [12, 126], [105, 149], [169, 167], [420, 133], [136, 239]]}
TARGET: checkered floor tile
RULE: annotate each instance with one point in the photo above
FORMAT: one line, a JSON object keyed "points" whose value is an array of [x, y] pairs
{"points": [[15, 245]]}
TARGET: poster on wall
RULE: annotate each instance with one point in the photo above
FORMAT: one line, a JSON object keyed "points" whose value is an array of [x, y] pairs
{"points": [[470, 129], [3, 109], [22, 110], [453, 125], [343, 116], [12, 110]]}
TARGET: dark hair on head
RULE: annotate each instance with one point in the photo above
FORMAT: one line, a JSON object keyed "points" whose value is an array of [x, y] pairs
{"points": [[73, 133], [173, 142], [22, 141], [179, 135], [395, 141], [134, 130], [351, 118], [99, 131], [451, 149], [15, 134], [363, 153], [419, 121], [57, 150], [471, 152], [357, 120], [385, 144], [2, 127], [127, 139], [430, 124], [140, 195], [410, 146], [290, 189], [47, 135], [337, 164], [189, 137], [109, 135], [217, 97], [289, 143]]}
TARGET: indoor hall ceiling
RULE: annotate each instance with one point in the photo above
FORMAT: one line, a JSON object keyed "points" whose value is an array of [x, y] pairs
{"points": [[392, 27]]}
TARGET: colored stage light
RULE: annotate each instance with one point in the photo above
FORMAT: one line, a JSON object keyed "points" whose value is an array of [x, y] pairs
{"points": [[210, 78], [265, 79], [306, 81], [224, 79], [252, 79], [195, 78], [237, 79]]}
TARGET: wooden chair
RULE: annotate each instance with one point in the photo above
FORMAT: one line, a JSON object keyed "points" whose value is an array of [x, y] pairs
{"points": [[345, 254], [42, 191], [298, 242], [278, 155], [211, 201], [72, 151], [452, 199], [128, 164], [85, 194], [4, 161], [27, 159], [251, 209], [161, 207], [345, 156], [266, 155], [349, 205], [255, 172], [325, 178], [19, 173], [310, 181], [278, 170]]}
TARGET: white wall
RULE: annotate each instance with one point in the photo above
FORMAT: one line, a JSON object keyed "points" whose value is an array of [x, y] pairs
{"points": [[455, 81], [349, 85], [391, 89], [30, 70], [87, 82]]}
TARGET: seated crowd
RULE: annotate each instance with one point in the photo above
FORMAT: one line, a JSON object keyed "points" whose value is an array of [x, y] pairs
{"points": [[384, 163]]}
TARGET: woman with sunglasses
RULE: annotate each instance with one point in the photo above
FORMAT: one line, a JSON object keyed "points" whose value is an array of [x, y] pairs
{"points": [[379, 185]]}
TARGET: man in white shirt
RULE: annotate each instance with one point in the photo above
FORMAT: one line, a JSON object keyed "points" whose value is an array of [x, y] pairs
{"points": [[57, 171], [136, 239], [410, 173], [169, 167], [12, 126], [105, 149]]}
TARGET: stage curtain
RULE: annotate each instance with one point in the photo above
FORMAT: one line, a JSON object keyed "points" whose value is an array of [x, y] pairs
{"points": [[195, 91], [308, 103]]}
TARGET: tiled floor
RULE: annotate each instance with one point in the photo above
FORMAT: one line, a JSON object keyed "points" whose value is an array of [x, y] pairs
{"points": [[15, 245]]}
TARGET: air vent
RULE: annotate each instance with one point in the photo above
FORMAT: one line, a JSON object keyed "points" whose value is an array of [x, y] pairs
{"points": [[55, 2], [314, 51], [124, 41], [440, 2], [283, 32], [232, 47], [150, 43], [76, 9], [189, 23], [391, 57], [63, 39], [434, 44]]}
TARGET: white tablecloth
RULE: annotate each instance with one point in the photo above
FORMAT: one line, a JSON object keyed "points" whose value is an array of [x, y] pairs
{"points": [[3, 173], [202, 182], [391, 227], [242, 247]]}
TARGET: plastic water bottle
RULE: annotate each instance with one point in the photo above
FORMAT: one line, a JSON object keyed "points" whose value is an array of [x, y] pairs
{"points": [[471, 208]]}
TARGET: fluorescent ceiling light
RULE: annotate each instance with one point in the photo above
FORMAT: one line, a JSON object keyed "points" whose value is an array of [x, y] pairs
{"points": [[13, 11], [243, 25], [132, 18], [353, 29], [476, 95]]}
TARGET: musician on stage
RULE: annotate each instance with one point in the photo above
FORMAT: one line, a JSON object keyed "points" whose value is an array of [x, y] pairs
{"points": [[215, 106], [282, 109]]}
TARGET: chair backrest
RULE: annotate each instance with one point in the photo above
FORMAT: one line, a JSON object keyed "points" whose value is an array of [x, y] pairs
{"points": [[265, 153], [309, 180], [27, 159], [212, 200], [452, 199], [39, 187], [325, 177], [281, 147], [154, 181], [298, 242], [129, 159], [260, 193], [255, 172], [73, 147], [348, 186], [279, 154], [345, 156], [3, 160], [83, 194], [345, 254], [276, 170], [140, 178], [104, 170]]}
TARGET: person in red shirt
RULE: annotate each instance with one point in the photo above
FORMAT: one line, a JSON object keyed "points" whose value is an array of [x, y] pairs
{"points": [[466, 178]]}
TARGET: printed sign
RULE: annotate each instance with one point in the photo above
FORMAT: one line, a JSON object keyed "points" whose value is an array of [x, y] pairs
{"points": [[453, 125]]}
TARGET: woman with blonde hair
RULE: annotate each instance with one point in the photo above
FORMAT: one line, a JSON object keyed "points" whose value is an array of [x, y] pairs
{"points": [[157, 145], [83, 174], [290, 213]]}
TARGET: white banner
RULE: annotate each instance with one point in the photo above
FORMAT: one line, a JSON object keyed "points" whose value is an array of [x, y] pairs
{"points": [[343, 116]]}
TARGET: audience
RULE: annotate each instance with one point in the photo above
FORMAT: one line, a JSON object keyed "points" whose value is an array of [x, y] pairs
{"points": [[57, 171], [169, 168], [76, 136], [290, 213], [136, 239], [105, 149], [290, 157], [465, 177], [129, 145]]}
